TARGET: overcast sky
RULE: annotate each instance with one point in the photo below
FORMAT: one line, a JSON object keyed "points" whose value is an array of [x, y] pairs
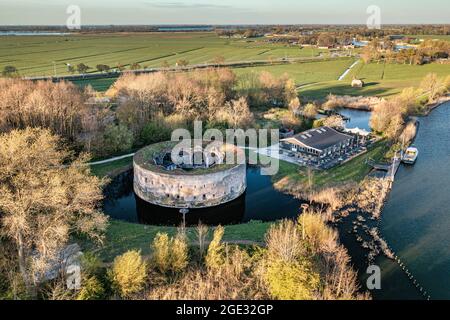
{"points": [[53, 12]]}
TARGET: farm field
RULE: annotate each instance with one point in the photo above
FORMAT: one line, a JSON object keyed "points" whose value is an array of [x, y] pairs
{"points": [[318, 79], [380, 80], [421, 36], [304, 73], [41, 55]]}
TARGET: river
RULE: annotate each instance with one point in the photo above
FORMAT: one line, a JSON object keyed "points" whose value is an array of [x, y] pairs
{"points": [[416, 218]]}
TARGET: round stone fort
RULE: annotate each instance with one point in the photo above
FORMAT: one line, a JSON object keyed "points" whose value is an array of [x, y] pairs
{"points": [[204, 179]]}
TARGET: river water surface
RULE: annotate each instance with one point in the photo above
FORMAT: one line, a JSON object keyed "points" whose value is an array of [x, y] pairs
{"points": [[416, 219]]}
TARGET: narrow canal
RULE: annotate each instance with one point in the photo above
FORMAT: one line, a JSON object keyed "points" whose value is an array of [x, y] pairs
{"points": [[416, 219]]}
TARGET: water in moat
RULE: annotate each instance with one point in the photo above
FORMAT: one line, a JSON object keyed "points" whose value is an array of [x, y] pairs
{"points": [[260, 202]]}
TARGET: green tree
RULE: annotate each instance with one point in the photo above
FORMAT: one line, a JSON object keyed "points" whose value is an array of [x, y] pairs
{"points": [[170, 254], [103, 68], [117, 138], [292, 280], [71, 69], [9, 71], [161, 252], [82, 68], [155, 131]]}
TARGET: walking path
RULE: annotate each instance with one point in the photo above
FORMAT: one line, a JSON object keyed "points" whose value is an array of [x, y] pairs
{"points": [[347, 71], [111, 159]]}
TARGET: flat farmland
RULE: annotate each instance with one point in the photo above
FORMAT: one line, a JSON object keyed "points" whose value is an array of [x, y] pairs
{"points": [[305, 73], [380, 80], [40, 55]]}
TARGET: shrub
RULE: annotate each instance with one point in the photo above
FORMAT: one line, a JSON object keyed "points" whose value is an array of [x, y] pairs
{"points": [[128, 273], [92, 290], [178, 254], [284, 241], [309, 111], [161, 252], [9, 71], [317, 233], [292, 280], [90, 263], [214, 257], [170, 254]]}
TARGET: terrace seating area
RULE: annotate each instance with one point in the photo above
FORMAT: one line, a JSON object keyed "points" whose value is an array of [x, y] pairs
{"points": [[322, 148]]}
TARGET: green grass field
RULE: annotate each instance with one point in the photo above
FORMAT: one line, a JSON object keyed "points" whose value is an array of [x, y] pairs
{"points": [[304, 73], [39, 55], [380, 80]]}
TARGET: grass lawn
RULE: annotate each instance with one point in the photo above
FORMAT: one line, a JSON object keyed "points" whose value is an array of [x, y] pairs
{"points": [[122, 236], [102, 170], [100, 85]]}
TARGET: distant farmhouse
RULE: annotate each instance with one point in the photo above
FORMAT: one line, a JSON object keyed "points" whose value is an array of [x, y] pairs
{"points": [[322, 146]]}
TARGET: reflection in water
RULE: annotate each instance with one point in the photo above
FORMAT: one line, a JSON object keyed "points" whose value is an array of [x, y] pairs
{"points": [[229, 213], [260, 202], [358, 118]]}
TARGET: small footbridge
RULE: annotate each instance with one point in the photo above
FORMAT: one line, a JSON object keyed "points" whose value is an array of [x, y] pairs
{"points": [[390, 168]]}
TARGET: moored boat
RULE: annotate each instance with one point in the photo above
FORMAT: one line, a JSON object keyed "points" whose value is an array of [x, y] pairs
{"points": [[410, 155]]}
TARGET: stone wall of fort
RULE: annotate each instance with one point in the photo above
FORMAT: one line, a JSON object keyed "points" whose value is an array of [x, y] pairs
{"points": [[190, 190]]}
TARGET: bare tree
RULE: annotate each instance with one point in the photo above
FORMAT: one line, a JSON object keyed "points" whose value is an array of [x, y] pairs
{"points": [[43, 201]]}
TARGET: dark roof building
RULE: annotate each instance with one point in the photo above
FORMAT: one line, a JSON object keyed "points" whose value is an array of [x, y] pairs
{"points": [[318, 141]]}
